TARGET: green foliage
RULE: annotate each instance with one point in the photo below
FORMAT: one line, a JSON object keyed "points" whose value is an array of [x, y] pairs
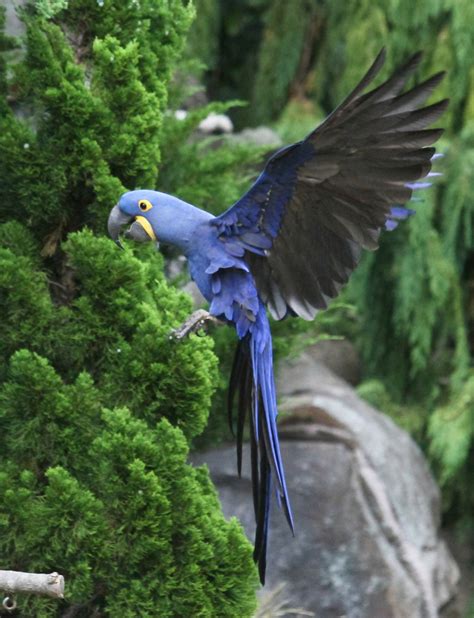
{"points": [[135, 529], [117, 479], [97, 404], [97, 110], [286, 27], [203, 39], [203, 171], [413, 418], [6, 44], [49, 8], [298, 119], [159, 29], [452, 430], [232, 53]]}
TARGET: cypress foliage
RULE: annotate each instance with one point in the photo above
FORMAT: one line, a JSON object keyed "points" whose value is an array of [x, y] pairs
{"points": [[203, 171], [97, 404], [291, 26]]}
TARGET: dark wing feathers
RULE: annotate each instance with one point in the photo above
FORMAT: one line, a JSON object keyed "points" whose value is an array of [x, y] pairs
{"points": [[318, 202], [354, 103]]}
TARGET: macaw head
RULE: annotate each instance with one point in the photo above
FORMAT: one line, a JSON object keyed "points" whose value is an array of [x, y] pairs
{"points": [[151, 215], [138, 210]]}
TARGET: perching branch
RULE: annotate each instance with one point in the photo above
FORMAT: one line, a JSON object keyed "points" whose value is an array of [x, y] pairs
{"points": [[45, 584], [195, 322]]}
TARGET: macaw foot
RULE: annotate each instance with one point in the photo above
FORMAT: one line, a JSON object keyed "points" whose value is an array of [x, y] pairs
{"points": [[196, 321]]}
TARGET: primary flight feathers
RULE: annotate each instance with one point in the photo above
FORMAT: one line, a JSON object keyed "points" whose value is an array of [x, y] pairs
{"points": [[319, 201]]}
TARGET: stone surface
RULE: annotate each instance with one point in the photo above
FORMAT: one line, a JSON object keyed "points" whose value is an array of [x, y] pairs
{"points": [[216, 124], [366, 507], [260, 136], [13, 25], [338, 355]]}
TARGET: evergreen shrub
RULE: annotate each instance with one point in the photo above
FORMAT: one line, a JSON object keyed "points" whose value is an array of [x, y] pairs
{"points": [[97, 404]]}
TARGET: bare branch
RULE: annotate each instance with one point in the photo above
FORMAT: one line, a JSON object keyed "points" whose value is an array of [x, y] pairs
{"points": [[45, 584], [196, 321]]}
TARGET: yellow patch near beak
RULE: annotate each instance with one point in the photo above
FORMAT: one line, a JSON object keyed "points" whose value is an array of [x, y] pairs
{"points": [[146, 226]]}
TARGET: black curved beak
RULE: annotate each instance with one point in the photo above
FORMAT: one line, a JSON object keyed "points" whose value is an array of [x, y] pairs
{"points": [[117, 220]]}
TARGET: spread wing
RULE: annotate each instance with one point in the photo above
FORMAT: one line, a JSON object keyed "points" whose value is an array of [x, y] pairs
{"points": [[318, 202]]}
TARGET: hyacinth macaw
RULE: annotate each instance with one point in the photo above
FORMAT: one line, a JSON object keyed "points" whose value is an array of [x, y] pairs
{"points": [[291, 242]]}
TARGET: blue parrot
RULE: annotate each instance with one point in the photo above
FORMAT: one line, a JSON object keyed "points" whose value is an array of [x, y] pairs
{"points": [[291, 242]]}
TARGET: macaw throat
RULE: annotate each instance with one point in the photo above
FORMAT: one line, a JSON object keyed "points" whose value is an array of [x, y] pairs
{"points": [[146, 225]]}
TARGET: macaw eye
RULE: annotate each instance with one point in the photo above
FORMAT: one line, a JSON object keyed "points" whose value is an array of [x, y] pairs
{"points": [[144, 205]]}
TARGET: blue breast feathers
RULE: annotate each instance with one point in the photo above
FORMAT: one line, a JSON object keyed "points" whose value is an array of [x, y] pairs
{"points": [[224, 278]]}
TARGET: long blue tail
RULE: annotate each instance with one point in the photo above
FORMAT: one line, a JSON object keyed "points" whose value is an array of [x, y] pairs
{"points": [[252, 378]]}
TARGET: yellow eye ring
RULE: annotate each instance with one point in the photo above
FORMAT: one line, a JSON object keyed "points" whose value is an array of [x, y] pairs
{"points": [[145, 205]]}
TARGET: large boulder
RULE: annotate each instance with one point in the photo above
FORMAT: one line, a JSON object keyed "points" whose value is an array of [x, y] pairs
{"points": [[366, 508], [338, 355]]}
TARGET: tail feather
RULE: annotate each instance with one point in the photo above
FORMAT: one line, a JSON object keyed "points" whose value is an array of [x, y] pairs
{"points": [[261, 534], [262, 363], [244, 408], [234, 383], [255, 472], [252, 375], [240, 383]]}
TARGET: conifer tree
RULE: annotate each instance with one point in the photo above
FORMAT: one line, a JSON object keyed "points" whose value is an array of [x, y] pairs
{"points": [[97, 404]]}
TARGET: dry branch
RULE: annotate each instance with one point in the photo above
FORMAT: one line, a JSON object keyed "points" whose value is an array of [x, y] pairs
{"points": [[45, 584]]}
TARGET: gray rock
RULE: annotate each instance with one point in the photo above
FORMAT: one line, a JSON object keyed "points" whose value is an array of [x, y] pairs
{"points": [[216, 124], [340, 356], [366, 507], [260, 136], [13, 25]]}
